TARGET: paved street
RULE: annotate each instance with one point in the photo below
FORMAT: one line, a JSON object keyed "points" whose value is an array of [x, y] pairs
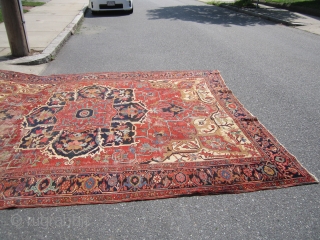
{"points": [[272, 69]]}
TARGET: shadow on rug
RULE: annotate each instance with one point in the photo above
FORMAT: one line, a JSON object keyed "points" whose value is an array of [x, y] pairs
{"points": [[116, 137]]}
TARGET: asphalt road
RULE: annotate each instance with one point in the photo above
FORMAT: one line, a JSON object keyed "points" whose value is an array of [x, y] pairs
{"points": [[272, 69]]}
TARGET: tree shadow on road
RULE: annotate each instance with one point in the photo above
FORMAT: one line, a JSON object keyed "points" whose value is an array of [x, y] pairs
{"points": [[206, 15]]}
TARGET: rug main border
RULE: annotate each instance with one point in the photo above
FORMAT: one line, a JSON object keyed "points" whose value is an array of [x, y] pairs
{"points": [[219, 88]]}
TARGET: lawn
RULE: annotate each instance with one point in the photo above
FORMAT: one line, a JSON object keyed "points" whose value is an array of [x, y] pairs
{"points": [[32, 4], [25, 4]]}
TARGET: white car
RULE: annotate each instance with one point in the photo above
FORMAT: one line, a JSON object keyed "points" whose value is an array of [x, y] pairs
{"points": [[106, 5]]}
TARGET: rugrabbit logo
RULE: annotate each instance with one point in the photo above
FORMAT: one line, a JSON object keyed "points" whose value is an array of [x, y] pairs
{"points": [[58, 221]]}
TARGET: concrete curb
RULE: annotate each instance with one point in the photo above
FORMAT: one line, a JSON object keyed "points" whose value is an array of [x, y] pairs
{"points": [[52, 50], [276, 20], [287, 23], [298, 9]]}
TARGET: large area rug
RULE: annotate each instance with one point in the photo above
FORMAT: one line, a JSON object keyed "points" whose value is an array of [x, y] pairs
{"points": [[116, 137]]}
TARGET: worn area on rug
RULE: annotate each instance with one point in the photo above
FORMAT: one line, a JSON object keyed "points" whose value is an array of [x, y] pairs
{"points": [[116, 137]]}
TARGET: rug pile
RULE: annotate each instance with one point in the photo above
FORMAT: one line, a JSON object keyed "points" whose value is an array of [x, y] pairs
{"points": [[116, 137]]}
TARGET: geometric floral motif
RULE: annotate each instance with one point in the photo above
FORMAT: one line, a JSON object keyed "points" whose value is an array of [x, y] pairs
{"points": [[115, 137], [80, 123]]}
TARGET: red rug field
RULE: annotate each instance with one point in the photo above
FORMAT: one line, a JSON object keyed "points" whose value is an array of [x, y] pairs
{"points": [[117, 137]]}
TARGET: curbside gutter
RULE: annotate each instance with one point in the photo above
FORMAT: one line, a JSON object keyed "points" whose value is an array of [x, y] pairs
{"points": [[298, 9], [52, 50], [276, 20]]}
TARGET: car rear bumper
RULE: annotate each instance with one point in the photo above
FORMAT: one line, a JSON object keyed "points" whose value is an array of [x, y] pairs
{"points": [[102, 5]]}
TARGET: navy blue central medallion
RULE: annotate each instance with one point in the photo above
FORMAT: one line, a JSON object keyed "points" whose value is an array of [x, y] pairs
{"points": [[84, 113]]}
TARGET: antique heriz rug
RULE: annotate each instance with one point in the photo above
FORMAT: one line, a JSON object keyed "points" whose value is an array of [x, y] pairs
{"points": [[115, 137]]}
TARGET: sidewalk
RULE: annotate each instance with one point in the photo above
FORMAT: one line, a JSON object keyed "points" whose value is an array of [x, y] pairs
{"points": [[301, 21], [49, 27], [277, 15]]}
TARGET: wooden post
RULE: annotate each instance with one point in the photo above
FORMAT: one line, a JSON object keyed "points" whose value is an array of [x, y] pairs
{"points": [[13, 20]]}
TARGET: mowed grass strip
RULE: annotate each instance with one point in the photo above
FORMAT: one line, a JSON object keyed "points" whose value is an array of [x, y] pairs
{"points": [[25, 4]]}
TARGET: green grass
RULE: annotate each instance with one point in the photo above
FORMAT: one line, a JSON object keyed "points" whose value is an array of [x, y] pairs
{"points": [[240, 3], [32, 4], [26, 4], [244, 3]]}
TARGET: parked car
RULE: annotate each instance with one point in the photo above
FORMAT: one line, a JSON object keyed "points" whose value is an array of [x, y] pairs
{"points": [[105, 5]]}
